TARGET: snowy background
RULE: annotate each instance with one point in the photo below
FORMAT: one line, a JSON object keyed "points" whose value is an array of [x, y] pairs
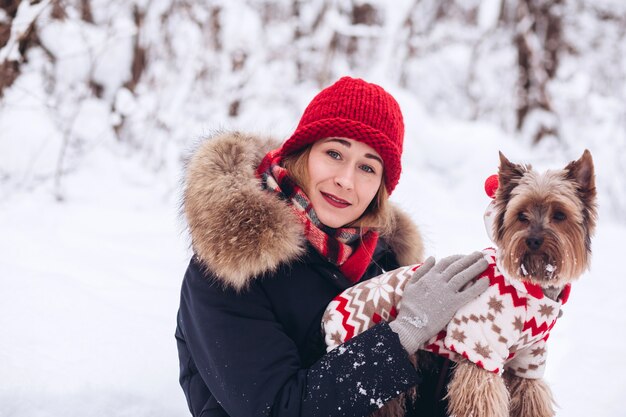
{"points": [[102, 101]]}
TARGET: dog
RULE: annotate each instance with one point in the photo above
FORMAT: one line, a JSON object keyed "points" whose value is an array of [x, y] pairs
{"points": [[542, 225]]}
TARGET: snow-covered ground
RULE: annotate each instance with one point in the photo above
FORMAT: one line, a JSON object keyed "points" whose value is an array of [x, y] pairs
{"points": [[89, 297], [89, 286]]}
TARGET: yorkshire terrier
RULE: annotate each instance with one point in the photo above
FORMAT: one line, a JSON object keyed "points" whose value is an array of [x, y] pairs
{"points": [[542, 224]]}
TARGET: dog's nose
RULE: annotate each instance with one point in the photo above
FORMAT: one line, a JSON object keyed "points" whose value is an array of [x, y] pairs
{"points": [[534, 242]]}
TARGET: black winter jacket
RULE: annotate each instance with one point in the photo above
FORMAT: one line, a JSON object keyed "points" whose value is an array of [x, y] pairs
{"points": [[249, 323]]}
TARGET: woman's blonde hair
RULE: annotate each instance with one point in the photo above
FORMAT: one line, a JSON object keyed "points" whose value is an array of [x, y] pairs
{"points": [[377, 215]]}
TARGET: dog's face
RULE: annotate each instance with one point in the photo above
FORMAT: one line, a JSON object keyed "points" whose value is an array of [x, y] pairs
{"points": [[544, 222]]}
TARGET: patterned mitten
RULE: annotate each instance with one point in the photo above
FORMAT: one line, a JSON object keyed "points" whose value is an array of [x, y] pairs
{"points": [[433, 295]]}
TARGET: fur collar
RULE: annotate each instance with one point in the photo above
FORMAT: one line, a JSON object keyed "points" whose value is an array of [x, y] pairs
{"points": [[239, 231]]}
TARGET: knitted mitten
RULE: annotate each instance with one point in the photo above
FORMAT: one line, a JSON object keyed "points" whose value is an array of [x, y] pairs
{"points": [[433, 295]]}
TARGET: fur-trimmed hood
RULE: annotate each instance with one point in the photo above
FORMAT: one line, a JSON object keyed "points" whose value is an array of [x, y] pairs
{"points": [[238, 230]]}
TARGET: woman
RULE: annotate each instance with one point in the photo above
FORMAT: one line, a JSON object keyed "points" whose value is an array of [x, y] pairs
{"points": [[277, 234]]}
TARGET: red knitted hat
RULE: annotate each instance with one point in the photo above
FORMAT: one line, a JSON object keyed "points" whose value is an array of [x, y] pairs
{"points": [[358, 110]]}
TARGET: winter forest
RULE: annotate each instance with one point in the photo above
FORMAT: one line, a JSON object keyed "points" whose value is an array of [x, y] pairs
{"points": [[101, 103]]}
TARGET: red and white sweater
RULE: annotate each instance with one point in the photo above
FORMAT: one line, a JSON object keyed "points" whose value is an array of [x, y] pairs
{"points": [[506, 327]]}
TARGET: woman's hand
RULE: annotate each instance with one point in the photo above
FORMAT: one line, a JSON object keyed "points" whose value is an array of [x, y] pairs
{"points": [[433, 295]]}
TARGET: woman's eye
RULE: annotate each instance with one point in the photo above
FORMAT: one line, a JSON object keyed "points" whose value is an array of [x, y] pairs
{"points": [[334, 155], [368, 169]]}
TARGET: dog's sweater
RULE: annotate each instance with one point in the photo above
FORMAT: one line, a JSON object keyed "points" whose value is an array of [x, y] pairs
{"points": [[505, 327]]}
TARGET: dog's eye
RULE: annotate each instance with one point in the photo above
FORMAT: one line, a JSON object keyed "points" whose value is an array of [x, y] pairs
{"points": [[559, 216], [522, 218]]}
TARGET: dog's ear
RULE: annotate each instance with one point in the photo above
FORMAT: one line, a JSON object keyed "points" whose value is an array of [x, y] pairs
{"points": [[509, 175], [582, 172]]}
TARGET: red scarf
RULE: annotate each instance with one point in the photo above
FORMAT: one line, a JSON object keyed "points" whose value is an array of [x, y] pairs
{"points": [[349, 248]]}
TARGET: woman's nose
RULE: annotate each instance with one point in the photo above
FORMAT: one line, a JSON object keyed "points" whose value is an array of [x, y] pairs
{"points": [[344, 178]]}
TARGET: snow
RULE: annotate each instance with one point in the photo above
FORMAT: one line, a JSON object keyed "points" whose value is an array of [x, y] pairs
{"points": [[88, 311], [26, 14], [33, 147], [488, 13], [91, 262]]}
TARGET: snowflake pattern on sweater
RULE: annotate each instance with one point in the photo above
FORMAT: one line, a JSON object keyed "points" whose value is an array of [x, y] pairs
{"points": [[505, 327]]}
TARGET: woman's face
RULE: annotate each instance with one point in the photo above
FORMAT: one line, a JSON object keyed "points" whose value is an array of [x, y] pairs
{"points": [[344, 176]]}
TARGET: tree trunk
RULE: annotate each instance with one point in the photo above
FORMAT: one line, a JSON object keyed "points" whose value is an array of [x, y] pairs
{"points": [[538, 39]]}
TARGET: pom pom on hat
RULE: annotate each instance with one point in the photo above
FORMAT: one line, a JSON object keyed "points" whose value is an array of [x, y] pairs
{"points": [[491, 185]]}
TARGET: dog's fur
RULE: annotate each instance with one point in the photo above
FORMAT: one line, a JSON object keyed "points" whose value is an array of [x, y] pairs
{"points": [[543, 228]]}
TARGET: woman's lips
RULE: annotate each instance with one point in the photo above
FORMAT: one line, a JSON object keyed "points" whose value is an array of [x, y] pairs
{"points": [[335, 201]]}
